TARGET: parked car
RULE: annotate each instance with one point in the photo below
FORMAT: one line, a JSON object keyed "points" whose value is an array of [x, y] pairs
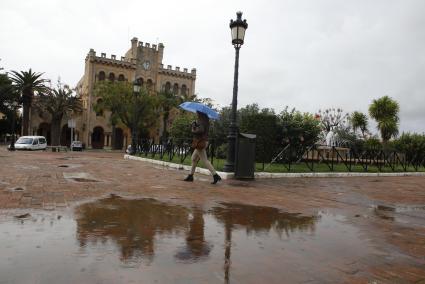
{"points": [[31, 143], [77, 146]]}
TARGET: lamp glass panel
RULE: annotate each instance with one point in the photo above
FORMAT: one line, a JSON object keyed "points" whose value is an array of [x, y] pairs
{"points": [[234, 33], [241, 33]]}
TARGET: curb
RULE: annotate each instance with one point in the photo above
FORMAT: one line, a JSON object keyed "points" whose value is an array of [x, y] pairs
{"points": [[164, 164], [336, 174], [262, 175]]}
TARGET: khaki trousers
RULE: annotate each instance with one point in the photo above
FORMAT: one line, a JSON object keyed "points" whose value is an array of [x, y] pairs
{"points": [[201, 155]]}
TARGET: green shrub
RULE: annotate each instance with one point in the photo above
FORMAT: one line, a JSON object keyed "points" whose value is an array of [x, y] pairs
{"points": [[412, 145]]}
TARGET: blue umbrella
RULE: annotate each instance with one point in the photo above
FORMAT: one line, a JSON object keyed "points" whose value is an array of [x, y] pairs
{"points": [[194, 107]]}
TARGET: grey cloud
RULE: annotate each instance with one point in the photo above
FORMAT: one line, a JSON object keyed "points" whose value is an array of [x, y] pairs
{"points": [[305, 54]]}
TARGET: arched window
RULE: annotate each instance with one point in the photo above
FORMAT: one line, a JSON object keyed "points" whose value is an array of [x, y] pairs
{"points": [[149, 84], [99, 107], [183, 91], [111, 77], [176, 89], [121, 77], [140, 81], [102, 76], [167, 87]]}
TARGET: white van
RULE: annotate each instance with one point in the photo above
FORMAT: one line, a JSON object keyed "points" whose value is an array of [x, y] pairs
{"points": [[31, 143]]}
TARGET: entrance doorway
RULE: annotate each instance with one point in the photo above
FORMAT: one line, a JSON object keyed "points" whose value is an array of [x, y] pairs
{"points": [[119, 139], [44, 130], [66, 136], [97, 138]]}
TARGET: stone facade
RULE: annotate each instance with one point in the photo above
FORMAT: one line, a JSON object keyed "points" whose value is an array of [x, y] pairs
{"points": [[143, 62]]}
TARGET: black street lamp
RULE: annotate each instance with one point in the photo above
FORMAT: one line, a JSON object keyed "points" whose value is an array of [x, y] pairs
{"points": [[12, 143], [238, 29], [136, 91]]}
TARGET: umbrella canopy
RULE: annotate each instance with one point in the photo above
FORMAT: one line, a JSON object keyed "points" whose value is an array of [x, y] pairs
{"points": [[194, 107]]}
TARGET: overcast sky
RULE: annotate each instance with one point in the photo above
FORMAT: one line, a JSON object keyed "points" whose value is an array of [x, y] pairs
{"points": [[309, 55]]}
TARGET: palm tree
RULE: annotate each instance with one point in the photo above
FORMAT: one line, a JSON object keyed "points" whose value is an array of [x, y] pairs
{"points": [[359, 120], [58, 103], [8, 105], [7, 94], [27, 83], [385, 111]]}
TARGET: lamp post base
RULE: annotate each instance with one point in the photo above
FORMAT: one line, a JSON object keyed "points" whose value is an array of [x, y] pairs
{"points": [[229, 168], [231, 150], [133, 150]]}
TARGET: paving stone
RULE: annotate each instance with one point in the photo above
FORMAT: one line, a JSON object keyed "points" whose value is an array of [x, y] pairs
{"points": [[397, 257]]}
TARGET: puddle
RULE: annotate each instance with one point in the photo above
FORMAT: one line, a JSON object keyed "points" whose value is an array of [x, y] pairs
{"points": [[23, 216], [399, 208], [80, 177], [66, 158], [116, 240], [385, 208], [399, 213], [26, 167], [159, 187], [70, 166], [84, 180], [18, 189]]}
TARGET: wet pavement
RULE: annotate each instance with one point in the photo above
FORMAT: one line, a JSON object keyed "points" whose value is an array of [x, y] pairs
{"points": [[92, 217]]}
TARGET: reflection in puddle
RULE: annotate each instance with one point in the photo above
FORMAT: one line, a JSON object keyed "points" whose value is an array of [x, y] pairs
{"points": [[390, 212], [84, 180], [263, 219], [131, 224], [257, 219], [117, 240]]}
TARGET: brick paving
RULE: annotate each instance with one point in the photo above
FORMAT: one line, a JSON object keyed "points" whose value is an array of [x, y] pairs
{"points": [[57, 181]]}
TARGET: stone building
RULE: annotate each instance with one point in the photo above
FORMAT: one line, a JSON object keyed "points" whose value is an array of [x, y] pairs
{"points": [[143, 62]]}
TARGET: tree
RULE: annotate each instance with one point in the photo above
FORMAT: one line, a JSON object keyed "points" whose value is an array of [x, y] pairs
{"points": [[359, 120], [109, 94], [168, 101], [7, 94], [412, 145], [385, 111], [332, 118], [180, 130], [59, 103], [299, 128], [219, 130], [8, 97], [138, 113], [265, 124], [27, 83]]}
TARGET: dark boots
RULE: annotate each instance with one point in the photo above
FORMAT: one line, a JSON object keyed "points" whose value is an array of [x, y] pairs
{"points": [[216, 178], [189, 178]]}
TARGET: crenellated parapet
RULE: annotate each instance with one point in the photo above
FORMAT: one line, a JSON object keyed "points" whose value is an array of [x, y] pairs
{"points": [[147, 45], [123, 62], [177, 72]]}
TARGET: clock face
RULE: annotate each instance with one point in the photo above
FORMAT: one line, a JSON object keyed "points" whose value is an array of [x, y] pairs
{"points": [[146, 65]]}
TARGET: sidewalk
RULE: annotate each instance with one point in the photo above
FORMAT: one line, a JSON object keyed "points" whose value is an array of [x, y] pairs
{"points": [[389, 213]]}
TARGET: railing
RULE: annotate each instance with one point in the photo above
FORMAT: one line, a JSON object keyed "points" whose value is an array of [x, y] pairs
{"points": [[180, 148], [350, 159], [292, 157]]}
